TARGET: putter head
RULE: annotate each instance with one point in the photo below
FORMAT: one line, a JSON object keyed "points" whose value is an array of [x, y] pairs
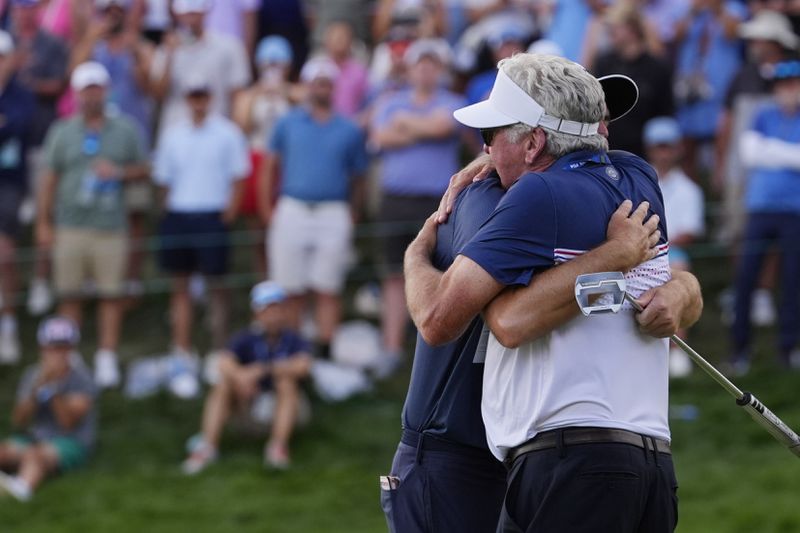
{"points": [[603, 292]]}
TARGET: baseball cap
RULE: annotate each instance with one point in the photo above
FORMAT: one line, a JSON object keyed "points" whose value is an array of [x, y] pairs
{"points": [[6, 43], [26, 3], [58, 330], [786, 70], [770, 26], [181, 7], [499, 39], [88, 74], [196, 84], [265, 294], [319, 67], [661, 130], [621, 95], [273, 49], [435, 48]]}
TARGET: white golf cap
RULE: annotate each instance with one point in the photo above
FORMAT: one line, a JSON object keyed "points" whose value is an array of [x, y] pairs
{"points": [[6, 43], [621, 95], [509, 104], [181, 7], [770, 26], [319, 67], [88, 74], [196, 83], [438, 49]]}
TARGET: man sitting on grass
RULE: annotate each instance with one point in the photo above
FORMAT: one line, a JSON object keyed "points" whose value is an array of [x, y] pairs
{"points": [[265, 356], [55, 413]]}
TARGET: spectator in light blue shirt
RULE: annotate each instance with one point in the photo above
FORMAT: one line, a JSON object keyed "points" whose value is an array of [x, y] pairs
{"points": [[200, 166], [770, 150], [320, 156]]}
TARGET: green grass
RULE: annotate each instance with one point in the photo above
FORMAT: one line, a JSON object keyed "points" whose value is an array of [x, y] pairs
{"points": [[733, 476]]}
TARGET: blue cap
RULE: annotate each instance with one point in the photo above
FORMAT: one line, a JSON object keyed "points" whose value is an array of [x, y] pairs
{"points": [[661, 130], [274, 49], [511, 35], [26, 3], [58, 330], [265, 294], [786, 70]]}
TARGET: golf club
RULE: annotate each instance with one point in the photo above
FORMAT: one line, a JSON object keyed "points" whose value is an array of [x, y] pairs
{"points": [[605, 292]]}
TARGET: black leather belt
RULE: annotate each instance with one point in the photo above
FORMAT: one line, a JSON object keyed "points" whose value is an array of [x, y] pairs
{"points": [[572, 436]]}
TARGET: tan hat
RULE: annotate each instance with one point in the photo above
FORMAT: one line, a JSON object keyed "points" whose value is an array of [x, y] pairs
{"points": [[770, 26]]}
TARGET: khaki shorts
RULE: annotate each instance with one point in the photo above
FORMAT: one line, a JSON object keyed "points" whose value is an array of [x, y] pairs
{"points": [[87, 254]]}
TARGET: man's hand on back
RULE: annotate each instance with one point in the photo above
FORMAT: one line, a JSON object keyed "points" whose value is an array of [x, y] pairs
{"points": [[479, 169]]}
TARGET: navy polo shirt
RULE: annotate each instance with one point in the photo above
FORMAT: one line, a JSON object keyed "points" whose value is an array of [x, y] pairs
{"points": [[17, 105], [252, 346], [549, 217], [444, 396]]}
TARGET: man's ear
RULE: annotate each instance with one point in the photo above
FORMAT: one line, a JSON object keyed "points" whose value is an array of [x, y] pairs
{"points": [[535, 144]]}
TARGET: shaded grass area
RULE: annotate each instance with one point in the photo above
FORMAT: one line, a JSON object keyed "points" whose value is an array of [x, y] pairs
{"points": [[734, 477]]}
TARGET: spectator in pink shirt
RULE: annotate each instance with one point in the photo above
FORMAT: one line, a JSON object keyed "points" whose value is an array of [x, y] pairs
{"points": [[351, 84]]}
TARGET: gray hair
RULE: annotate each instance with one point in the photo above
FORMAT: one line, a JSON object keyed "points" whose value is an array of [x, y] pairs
{"points": [[565, 90]]}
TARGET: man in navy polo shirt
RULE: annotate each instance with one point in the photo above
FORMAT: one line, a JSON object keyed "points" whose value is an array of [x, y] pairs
{"points": [[601, 377], [268, 355], [443, 477]]}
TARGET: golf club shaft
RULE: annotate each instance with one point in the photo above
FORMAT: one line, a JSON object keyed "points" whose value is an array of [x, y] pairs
{"points": [[757, 410]]}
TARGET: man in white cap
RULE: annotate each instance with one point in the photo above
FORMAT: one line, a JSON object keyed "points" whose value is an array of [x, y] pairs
{"points": [[200, 167], [269, 355], [321, 158], [16, 107], [191, 50], [588, 391], [81, 212], [55, 414], [127, 56]]}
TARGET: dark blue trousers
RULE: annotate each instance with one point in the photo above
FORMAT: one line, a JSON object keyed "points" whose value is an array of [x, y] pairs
{"points": [[444, 488], [763, 230]]}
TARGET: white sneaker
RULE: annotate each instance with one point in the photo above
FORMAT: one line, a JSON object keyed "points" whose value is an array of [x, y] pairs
{"points": [[202, 456], [9, 348], [763, 309], [15, 487], [182, 370], [40, 298], [211, 367], [106, 369]]}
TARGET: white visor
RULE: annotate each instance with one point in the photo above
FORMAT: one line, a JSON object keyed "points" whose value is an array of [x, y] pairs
{"points": [[509, 104]]}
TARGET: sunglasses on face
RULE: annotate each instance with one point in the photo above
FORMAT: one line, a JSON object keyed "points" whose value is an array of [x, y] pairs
{"points": [[488, 134]]}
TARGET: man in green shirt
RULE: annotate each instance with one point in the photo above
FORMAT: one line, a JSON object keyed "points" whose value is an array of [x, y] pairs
{"points": [[81, 211]]}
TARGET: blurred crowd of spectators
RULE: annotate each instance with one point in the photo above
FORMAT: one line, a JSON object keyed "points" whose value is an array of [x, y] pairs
{"points": [[299, 119]]}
